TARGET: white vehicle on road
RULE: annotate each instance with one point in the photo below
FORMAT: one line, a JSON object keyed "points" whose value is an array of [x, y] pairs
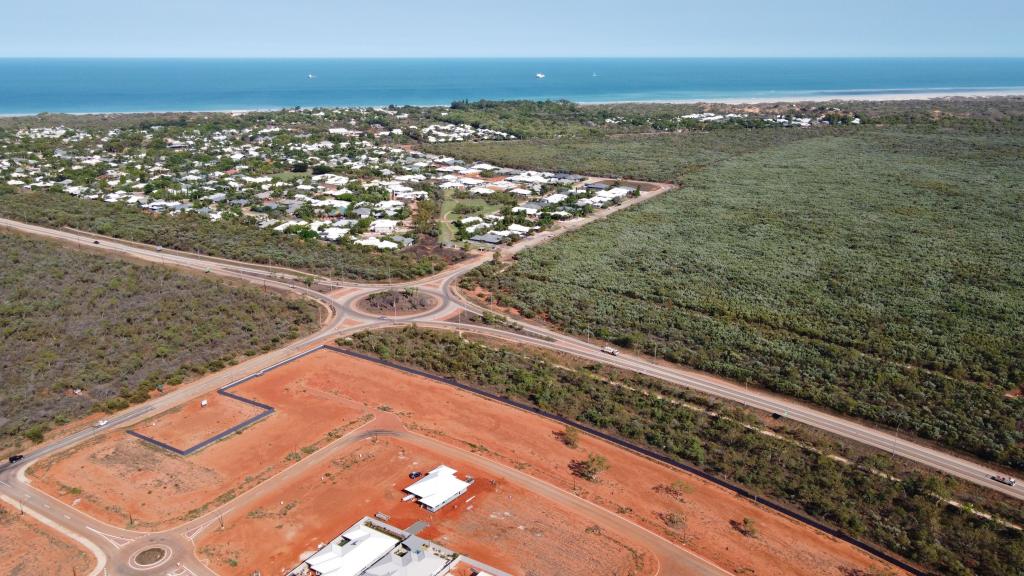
{"points": [[610, 350], [101, 423]]}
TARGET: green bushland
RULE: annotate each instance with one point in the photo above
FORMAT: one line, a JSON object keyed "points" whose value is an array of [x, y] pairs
{"points": [[660, 157], [909, 517], [115, 330], [225, 239], [874, 271]]}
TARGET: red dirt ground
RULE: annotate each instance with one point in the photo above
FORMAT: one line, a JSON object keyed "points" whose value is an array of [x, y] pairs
{"points": [[634, 486], [494, 522], [328, 389], [120, 475], [28, 548], [191, 423]]}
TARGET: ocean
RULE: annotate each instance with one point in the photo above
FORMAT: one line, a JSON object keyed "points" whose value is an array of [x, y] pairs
{"points": [[30, 86]]}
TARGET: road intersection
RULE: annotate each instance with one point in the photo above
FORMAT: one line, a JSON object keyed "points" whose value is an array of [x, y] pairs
{"points": [[115, 547]]}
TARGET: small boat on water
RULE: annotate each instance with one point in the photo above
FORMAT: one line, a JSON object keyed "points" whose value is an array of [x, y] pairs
{"points": [[312, 77], [540, 75]]}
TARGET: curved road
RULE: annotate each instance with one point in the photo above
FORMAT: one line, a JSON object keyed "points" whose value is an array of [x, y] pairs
{"points": [[115, 545]]}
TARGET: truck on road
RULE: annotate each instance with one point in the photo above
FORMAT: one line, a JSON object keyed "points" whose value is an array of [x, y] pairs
{"points": [[1005, 480]]}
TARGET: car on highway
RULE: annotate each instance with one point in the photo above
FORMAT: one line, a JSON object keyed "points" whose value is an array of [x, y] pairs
{"points": [[15, 458], [159, 248], [1005, 480], [95, 241], [101, 423], [610, 350]]}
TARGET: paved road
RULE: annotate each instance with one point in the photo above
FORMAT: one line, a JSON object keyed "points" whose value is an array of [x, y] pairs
{"points": [[344, 317]]}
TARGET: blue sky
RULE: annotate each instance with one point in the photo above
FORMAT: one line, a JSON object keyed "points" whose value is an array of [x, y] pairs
{"points": [[531, 28]]}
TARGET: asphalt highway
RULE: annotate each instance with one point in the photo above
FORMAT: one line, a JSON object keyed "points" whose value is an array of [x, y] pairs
{"points": [[116, 546]]}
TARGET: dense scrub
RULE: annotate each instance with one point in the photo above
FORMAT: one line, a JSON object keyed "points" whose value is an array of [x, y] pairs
{"points": [[225, 239], [71, 320], [661, 157], [873, 271], [906, 517]]}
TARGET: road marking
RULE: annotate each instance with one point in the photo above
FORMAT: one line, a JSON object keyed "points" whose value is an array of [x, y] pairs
{"points": [[191, 534], [118, 541], [6, 484]]}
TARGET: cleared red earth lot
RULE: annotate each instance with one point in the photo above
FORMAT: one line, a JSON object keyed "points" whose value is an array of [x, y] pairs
{"points": [[495, 522], [190, 424], [117, 478], [535, 517]]}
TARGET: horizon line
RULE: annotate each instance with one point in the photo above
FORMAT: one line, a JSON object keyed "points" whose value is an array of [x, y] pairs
{"points": [[513, 57]]}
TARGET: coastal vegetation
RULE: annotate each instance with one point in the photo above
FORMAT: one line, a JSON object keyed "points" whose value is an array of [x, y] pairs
{"points": [[873, 270], [868, 495], [83, 332]]}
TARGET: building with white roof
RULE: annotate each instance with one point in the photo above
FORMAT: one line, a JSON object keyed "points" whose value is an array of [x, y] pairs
{"points": [[352, 553], [383, 226], [438, 488], [374, 548], [377, 243]]}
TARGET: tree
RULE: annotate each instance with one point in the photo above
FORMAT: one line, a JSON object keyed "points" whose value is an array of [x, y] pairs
{"points": [[590, 468], [570, 436], [423, 221]]}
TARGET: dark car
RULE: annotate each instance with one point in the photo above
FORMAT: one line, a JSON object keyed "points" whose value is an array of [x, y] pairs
{"points": [[415, 475], [15, 458], [95, 241]]}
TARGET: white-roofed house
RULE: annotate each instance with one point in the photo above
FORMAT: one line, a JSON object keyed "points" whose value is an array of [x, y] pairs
{"points": [[383, 226], [519, 229], [352, 553], [377, 243], [438, 488]]}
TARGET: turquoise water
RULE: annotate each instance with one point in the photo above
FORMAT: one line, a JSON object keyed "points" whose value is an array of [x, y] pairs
{"points": [[29, 86]]}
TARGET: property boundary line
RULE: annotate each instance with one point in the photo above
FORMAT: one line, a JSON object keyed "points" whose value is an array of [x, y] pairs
{"points": [[267, 410]]}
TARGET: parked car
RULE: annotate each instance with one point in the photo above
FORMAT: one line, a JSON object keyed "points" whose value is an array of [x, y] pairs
{"points": [[1005, 480], [15, 458], [414, 475]]}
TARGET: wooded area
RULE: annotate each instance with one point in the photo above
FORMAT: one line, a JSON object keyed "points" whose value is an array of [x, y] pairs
{"points": [[872, 270], [82, 331]]}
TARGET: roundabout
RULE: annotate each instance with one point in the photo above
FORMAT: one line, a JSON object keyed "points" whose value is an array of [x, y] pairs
{"points": [[150, 557]]}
